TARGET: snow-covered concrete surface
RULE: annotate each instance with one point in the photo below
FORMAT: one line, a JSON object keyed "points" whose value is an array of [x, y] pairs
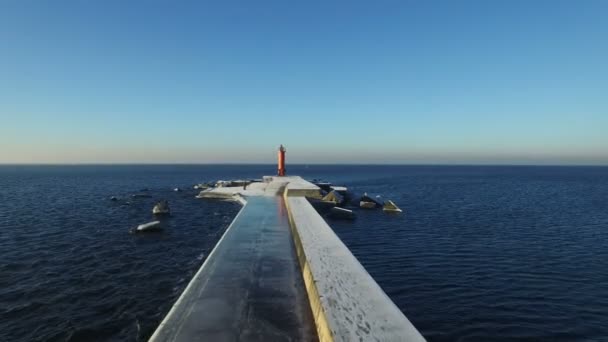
{"points": [[347, 304], [300, 187], [270, 186], [253, 189]]}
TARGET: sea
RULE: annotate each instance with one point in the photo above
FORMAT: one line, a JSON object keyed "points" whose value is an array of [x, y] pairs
{"points": [[480, 253]]}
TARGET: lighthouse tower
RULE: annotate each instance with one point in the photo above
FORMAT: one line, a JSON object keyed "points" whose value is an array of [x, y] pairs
{"points": [[281, 171]]}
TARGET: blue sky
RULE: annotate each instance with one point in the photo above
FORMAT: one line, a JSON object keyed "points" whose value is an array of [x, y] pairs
{"points": [[488, 82]]}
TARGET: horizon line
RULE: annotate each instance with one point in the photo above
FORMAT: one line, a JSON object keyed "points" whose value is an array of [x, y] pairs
{"points": [[297, 164]]}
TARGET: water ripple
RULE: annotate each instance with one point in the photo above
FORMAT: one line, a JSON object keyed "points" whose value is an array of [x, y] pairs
{"points": [[507, 254], [480, 254], [72, 272]]}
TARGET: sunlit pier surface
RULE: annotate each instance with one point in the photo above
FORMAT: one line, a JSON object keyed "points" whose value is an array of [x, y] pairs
{"points": [[280, 273]]}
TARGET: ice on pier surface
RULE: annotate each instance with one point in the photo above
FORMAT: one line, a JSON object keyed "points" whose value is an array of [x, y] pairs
{"points": [[249, 288], [270, 186]]}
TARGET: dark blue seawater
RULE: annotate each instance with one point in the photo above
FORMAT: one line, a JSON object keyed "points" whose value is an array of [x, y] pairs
{"points": [[480, 253]]}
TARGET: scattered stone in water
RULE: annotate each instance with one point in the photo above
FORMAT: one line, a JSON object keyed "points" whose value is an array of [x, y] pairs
{"points": [[153, 226], [161, 208]]}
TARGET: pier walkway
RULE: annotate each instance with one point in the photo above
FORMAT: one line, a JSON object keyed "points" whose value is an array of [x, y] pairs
{"points": [[250, 288], [280, 273]]}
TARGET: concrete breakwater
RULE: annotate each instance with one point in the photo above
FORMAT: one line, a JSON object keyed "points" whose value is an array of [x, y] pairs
{"points": [[279, 253]]}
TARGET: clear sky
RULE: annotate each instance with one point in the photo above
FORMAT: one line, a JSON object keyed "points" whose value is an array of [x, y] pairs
{"points": [[335, 81]]}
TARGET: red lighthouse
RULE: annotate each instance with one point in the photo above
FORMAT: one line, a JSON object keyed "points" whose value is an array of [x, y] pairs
{"points": [[281, 171]]}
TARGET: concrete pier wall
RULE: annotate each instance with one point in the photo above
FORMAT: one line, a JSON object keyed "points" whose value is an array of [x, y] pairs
{"points": [[277, 262], [347, 304]]}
